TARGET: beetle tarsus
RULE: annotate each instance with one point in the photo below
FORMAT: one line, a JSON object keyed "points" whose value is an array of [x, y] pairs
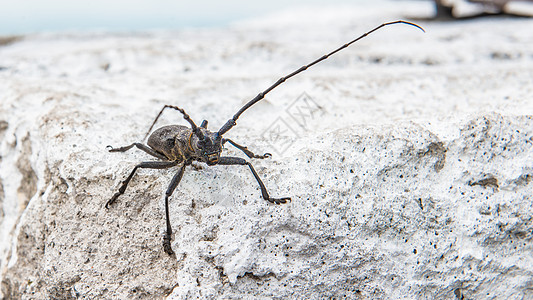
{"points": [[279, 200], [166, 244], [112, 200]]}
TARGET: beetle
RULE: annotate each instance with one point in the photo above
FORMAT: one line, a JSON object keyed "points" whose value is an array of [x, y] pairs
{"points": [[178, 145]]}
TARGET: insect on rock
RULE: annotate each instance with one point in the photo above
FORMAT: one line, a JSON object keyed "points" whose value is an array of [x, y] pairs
{"points": [[177, 145]]}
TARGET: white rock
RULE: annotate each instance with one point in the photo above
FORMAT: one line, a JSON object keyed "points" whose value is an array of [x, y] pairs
{"points": [[413, 180]]}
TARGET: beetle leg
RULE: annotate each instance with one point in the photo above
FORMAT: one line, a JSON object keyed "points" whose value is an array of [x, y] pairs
{"points": [[140, 146], [147, 165], [244, 149], [173, 184], [187, 118], [241, 161]]}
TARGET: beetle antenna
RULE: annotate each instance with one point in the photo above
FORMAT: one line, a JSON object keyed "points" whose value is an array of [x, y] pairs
{"points": [[232, 122]]}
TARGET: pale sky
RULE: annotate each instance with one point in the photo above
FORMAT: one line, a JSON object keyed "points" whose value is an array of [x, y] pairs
{"points": [[26, 16]]}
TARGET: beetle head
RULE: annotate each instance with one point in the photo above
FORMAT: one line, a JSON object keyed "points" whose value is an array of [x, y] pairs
{"points": [[209, 147]]}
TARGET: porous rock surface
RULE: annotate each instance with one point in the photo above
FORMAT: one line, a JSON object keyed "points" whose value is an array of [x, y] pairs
{"points": [[411, 178]]}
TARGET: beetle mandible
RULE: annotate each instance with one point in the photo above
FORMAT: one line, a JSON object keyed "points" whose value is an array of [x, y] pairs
{"points": [[177, 145]]}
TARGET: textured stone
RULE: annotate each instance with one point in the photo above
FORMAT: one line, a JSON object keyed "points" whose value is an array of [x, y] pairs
{"points": [[411, 179]]}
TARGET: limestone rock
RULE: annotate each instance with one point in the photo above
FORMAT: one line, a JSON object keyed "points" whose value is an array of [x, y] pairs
{"points": [[410, 177]]}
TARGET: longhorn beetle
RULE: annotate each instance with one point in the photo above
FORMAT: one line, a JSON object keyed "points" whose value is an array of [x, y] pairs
{"points": [[178, 145]]}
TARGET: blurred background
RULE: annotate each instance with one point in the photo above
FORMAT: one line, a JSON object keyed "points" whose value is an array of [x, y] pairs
{"points": [[19, 17], [29, 16]]}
